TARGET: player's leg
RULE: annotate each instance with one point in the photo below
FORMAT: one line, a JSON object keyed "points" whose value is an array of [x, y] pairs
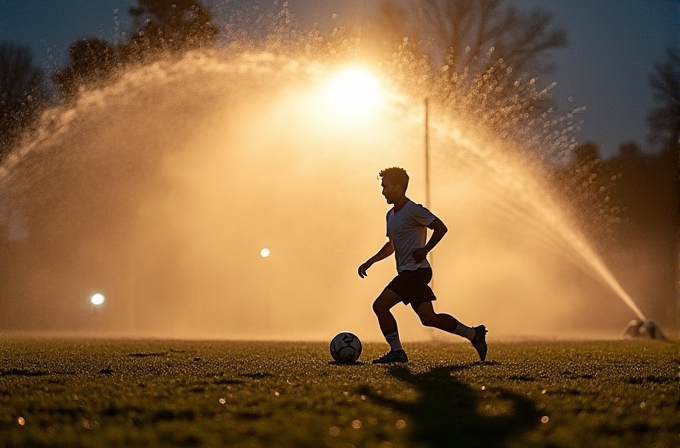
{"points": [[448, 323], [382, 306], [388, 325], [430, 318]]}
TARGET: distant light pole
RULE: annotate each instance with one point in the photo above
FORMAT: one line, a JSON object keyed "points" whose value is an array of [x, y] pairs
{"points": [[427, 153], [427, 168], [97, 301]]}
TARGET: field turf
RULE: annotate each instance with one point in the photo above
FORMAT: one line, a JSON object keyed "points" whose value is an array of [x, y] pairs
{"points": [[98, 393]]}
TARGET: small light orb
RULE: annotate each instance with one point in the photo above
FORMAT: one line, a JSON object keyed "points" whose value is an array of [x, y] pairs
{"points": [[264, 253], [97, 299]]}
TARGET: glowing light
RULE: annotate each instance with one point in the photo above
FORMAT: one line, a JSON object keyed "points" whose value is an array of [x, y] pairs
{"points": [[97, 299], [264, 253], [354, 91]]}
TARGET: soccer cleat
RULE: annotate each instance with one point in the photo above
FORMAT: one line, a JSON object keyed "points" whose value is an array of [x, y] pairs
{"points": [[392, 356], [479, 341]]}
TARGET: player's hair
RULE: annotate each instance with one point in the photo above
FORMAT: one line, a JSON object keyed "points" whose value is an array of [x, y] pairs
{"points": [[396, 176]]}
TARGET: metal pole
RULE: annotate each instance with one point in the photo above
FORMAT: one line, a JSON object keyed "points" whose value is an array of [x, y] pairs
{"points": [[427, 171], [427, 154]]}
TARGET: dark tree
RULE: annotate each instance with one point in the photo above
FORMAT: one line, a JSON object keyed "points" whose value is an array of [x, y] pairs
{"points": [[22, 94], [159, 28], [470, 38], [664, 119], [92, 61], [645, 253], [162, 26], [471, 34]]}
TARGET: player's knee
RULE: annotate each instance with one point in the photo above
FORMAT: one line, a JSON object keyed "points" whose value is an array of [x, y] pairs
{"points": [[378, 308], [429, 320]]}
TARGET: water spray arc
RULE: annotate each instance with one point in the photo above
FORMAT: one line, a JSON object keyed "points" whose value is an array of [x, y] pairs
{"points": [[540, 213], [189, 169]]}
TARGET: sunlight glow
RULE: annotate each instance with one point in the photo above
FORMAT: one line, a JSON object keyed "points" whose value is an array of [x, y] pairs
{"points": [[354, 91], [264, 253]]}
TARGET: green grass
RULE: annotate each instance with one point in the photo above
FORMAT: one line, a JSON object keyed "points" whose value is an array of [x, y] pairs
{"points": [[86, 393]]}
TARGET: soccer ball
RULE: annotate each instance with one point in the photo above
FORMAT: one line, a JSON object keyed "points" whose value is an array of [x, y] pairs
{"points": [[345, 347]]}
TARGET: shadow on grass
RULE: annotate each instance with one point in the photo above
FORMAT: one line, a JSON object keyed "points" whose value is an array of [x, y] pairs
{"points": [[450, 413]]}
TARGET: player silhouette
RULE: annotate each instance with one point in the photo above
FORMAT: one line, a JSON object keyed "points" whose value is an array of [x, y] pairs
{"points": [[407, 224]]}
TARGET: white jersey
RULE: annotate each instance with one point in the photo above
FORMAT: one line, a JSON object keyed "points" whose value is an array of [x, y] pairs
{"points": [[407, 229]]}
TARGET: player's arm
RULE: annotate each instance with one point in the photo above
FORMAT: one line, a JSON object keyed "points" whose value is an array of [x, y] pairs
{"points": [[384, 252], [439, 230]]}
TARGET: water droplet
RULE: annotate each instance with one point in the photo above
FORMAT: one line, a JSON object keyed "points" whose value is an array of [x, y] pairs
{"points": [[334, 431], [276, 394], [222, 401], [21, 421], [401, 424], [483, 387], [545, 419], [356, 424], [334, 16]]}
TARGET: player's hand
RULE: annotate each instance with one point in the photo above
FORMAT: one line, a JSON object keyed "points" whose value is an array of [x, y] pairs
{"points": [[363, 268], [419, 254]]}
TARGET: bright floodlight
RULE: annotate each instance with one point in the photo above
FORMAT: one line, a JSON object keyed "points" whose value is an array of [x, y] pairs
{"points": [[354, 91], [97, 299], [264, 253]]}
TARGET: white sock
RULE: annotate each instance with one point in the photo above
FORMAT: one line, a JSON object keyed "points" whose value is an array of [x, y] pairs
{"points": [[393, 340], [466, 332]]}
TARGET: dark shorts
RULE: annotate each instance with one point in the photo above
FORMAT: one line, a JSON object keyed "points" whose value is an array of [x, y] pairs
{"points": [[412, 286]]}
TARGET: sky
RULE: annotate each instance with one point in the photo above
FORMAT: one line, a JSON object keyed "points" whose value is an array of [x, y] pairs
{"points": [[613, 47]]}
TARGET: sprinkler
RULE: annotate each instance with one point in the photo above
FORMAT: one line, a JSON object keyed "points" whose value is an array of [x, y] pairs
{"points": [[646, 328]]}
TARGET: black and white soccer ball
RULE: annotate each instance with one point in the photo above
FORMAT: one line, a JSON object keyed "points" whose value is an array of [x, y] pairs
{"points": [[345, 347]]}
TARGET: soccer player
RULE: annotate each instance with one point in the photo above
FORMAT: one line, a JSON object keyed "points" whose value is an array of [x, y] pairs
{"points": [[407, 224]]}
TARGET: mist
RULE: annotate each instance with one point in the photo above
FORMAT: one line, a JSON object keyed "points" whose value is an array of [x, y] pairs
{"points": [[161, 189]]}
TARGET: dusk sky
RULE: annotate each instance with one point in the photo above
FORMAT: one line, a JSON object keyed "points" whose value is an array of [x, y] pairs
{"points": [[613, 46]]}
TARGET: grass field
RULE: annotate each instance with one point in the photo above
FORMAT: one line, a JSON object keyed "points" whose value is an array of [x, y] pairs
{"points": [[92, 393]]}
